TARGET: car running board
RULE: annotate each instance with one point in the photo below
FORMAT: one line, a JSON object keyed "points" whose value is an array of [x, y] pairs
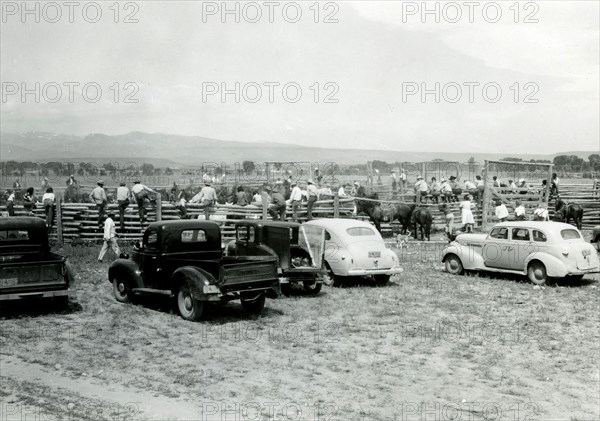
{"points": [[151, 291]]}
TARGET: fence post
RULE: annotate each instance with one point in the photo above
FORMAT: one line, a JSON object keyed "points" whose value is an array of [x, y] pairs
{"points": [[336, 206], [158, 207], [546, 193], [264, 205], [59, 227], [486, 197]]}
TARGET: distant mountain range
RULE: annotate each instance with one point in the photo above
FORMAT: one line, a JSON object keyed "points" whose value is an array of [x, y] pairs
{"points": [[175, 150]]}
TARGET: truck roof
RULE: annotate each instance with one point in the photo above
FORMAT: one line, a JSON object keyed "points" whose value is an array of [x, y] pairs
{"points": [[263, 223], [22, 223]]}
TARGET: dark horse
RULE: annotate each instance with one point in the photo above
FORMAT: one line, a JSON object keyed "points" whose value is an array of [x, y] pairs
{"points": [[378, 214], [564, 212], [422, 219]]}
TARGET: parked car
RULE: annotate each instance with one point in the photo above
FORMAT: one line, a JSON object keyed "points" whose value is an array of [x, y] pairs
{"points": [[596, 236], [540, 250], [356, 248], [28, 269], [184, 260], [299, 250]]}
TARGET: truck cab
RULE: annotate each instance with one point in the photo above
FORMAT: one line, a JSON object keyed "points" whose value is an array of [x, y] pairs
{"points": [[184, 260], [28, 269]]}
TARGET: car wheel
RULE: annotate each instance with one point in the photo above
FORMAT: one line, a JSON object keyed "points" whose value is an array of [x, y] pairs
{"points": [[286, 289], [334, 280], [381, 280], [121, 290], [254, 306], [536, 272], [453, 265], [188, 307], [313, 288]]}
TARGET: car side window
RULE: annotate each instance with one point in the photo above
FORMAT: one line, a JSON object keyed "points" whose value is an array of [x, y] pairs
{"points": [[539, 236], [327, 236], [500, 233], [245, 233], [520, 234], [151, 239]]}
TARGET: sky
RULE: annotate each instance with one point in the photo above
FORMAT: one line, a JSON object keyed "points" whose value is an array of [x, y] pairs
{"points": [[518, 77]]}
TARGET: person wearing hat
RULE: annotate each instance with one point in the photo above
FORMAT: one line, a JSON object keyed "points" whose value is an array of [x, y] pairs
{"points": [[123, 195], [110, 238], [140, 192], [71, 181], [446, 191], [421, 190], [295, 200], [277, 206], [207, 198], [394, 177], [313, 196], [98, 196]]}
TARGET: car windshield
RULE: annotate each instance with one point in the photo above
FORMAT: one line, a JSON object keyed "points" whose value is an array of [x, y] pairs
{"points": [[360, 231], [312, 239], [570, 234]]}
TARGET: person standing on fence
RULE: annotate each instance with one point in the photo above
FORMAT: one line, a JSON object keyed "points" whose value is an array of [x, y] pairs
{"points": [[98, 196], [420, 190], [313, 196], [140, 192], [123, 195], [10, 204], [436, 190], [403, 177], [29, 201], [110, 238], [394, 177], [446, 191], [295, 200], [48, 201], [554, 185], [207, 198]]}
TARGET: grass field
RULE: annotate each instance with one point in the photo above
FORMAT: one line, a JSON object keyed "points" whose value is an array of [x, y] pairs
{"points": [[428, 346]]}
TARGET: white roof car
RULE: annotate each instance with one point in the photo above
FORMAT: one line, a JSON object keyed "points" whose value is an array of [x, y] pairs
{"points": [[356, 248], [541, 250]]}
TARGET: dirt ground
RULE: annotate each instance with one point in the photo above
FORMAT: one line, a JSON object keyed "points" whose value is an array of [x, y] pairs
{"points": [[428, 346]]}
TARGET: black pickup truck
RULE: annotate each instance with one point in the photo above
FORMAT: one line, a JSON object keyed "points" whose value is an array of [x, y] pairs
{"points": [[28, 269], [184, 260]]}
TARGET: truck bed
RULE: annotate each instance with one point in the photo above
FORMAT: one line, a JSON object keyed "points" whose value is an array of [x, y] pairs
{"points": [[20, 274]]}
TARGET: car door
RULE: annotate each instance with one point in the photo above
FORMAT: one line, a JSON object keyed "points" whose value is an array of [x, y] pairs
{"points": [[149, 259], [496, 251], [333, 254], [521, 247]]}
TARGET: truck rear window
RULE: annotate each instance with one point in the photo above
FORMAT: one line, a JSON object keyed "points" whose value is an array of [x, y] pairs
{"points": [[193, 236], [570, 234], [14, 235]]}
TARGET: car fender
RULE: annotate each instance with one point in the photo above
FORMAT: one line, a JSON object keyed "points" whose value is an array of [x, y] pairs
{"points": [[196, 278], [554, 267], [469, 256], [128, 269]]}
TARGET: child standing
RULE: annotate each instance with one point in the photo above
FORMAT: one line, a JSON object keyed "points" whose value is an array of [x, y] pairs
{"points": [[467, 215]]}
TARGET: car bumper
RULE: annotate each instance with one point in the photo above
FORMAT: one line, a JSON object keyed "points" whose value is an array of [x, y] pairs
{"points": [[394, 270], [43, 294]]}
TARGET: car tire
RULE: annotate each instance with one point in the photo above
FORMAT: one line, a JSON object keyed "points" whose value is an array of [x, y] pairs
{"points": [[121, 290], [286, 289], [334, 280], [187, 306], [381, 280], [536, 272], [453, 265], [254, 306], [313, 288]]}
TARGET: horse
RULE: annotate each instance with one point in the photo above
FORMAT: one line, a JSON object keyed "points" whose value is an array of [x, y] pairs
{"points": [[566, 211], [378, 214], [422, 220]]}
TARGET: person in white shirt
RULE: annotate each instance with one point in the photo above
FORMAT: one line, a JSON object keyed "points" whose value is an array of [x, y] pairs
{"points": [[48, 202], [313, 196], [98, 196], [123, 195], [501, 211], [140, 192], [421, 189], [403, 177], [207, 197], [325, 192], [520, 212], [110, 238], [446, 191], [295, 200], [541, 213], [256, 198], [10, 204], [342, 191]]}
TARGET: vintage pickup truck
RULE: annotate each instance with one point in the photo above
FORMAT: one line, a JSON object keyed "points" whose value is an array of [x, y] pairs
{"points": [[299, 250], [28, 269], [184, 260]]}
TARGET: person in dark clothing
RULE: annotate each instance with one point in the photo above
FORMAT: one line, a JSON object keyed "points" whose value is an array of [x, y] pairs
{"points": [[277, 208], [240, 197]]}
